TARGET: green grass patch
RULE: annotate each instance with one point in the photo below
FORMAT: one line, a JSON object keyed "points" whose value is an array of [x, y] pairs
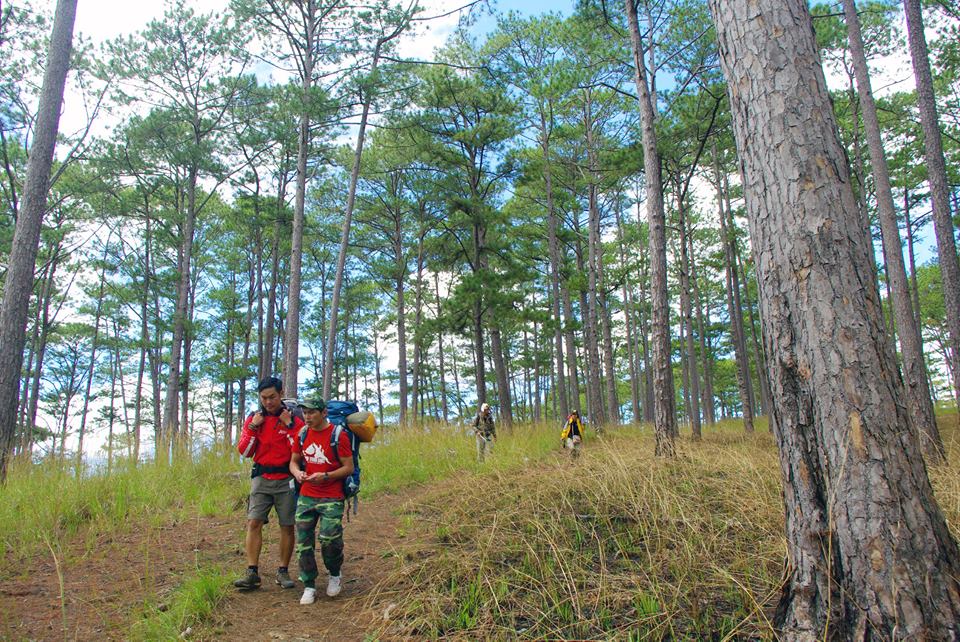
{"points": [[188, 607], [400, 457]]}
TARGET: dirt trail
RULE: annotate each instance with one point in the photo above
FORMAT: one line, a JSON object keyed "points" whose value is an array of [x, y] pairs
{"points": [[371, 546], [107, 581]]}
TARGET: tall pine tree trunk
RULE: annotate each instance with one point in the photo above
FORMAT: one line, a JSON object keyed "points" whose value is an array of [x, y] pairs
{"points": [[911, 345], [937, 177], [440, 356], [18, 284], [707, 393], [554, 246], [665, 421], [628, 308], [417, 333], [686, 307], [735, 314], [870, 554]]}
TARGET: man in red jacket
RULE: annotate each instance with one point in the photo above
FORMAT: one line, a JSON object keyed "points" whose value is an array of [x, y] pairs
{"points": [[269, 436]]}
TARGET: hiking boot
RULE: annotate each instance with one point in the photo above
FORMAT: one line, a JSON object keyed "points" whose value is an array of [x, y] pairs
{"points": [[249, 581], [309, 596], [283, 579], [333, 586]]}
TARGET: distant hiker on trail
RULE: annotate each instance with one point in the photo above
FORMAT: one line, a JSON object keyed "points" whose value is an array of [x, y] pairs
{"points": [[485, 430], [572, 435], [321, 472], [268, 436]]}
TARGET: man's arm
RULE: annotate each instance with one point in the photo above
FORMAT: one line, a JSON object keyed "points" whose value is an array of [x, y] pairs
{"points": [[296, 460]]}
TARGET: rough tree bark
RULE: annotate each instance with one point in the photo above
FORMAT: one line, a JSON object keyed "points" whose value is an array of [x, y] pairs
{"points": [[870, 554], [26, 235]]}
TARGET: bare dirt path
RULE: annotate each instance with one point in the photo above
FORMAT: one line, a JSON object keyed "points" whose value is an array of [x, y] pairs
{"points": [[106, 581]]}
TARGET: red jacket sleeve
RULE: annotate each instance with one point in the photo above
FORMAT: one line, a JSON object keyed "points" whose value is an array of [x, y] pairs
{"points": [[247, 446]]}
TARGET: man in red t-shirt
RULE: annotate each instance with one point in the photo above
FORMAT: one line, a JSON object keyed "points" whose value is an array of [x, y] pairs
{"points": [[321, 472], [268, 436]]}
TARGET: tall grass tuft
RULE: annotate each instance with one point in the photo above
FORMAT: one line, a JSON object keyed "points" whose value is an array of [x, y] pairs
{"points": [[191, 604]]}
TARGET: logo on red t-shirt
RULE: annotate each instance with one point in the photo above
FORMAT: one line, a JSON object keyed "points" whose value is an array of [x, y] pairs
{"points": [[314, 454]]}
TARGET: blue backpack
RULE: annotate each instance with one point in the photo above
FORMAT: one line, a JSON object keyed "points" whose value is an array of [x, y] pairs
{"points": [[337, 412]]}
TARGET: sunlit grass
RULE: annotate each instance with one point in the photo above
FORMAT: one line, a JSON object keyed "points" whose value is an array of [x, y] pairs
{"points": [[618, 544], [403, 456]]}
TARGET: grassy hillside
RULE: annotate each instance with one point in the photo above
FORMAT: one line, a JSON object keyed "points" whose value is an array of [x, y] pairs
{"points": [[618, 544]]}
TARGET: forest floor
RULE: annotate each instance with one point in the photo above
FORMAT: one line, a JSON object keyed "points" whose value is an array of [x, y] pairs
{"points": [[107, 582]]}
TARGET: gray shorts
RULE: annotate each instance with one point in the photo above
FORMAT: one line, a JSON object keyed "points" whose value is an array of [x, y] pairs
{"points": [[266, 493]]}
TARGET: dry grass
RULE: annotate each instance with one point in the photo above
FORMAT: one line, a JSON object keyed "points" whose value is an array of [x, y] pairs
{"points": [[617, 545]]}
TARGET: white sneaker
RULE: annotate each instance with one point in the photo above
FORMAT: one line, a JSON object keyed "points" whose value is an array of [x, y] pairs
{"points": [[333, 586], [309, 596]]}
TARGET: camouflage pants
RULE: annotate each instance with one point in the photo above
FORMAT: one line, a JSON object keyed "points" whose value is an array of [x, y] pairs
{"points": [[329, 514], [484, 445]]}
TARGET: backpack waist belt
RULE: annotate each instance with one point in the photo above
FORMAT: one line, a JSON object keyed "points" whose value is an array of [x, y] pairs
{"points": [[259, 469]]}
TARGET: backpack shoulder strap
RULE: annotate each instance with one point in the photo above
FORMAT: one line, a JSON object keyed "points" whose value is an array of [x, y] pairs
{"points": [[335, 439]]}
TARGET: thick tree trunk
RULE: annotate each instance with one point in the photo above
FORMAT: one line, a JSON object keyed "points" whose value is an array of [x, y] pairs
{"points": [[870, 554], [937, 177], [911, 344], [18, 285], [665, 421]]}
